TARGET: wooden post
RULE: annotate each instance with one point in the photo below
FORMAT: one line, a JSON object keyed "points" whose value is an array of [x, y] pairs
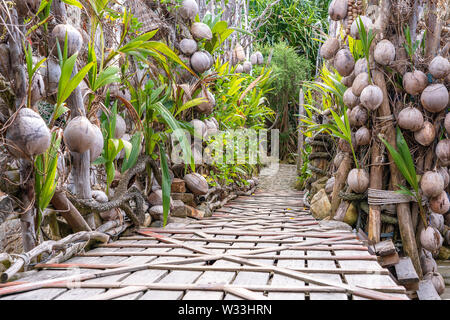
{"points": [[403, 209], [339, 183], [301, 111]]}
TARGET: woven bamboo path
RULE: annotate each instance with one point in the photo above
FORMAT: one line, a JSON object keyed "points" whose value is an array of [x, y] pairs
{"points": [[266, 246]]}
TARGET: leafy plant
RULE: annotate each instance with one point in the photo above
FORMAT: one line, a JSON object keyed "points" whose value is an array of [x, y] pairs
{"points": [[366, 42], [46, 175], [410, 46], [405, 165], [31, 70]]}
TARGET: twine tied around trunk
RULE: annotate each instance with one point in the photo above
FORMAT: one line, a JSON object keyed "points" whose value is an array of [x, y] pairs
{"points": [[381, 197]]}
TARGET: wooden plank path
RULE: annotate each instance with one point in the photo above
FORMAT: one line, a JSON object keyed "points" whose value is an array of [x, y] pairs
{"points": [[266, 246]]}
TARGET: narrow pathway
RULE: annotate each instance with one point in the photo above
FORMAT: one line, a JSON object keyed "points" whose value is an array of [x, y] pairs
{"points": [[266, 246]]}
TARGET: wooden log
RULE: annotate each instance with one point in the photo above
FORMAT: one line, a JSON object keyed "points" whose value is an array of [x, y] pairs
{"points": [[301, 111], [389, 260], [69, 212], [403, 210], [406, 273], [385, 248], [341, 177]]}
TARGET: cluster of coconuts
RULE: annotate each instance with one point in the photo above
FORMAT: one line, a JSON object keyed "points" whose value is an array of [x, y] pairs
{"points": [[238, 57], [434, 98], [206, 127], [81, 136]]}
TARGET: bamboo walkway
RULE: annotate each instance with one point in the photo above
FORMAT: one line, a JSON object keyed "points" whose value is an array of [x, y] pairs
{"points": [[266, 246]]}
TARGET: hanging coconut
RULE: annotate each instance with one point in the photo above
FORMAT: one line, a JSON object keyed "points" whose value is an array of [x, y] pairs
{"points": [[384, 52], [188, 46], [121, 127], [254, 59], [238, 53], [79, 135], [431, 184], [434, 98], [348, 80], [260, 57], [239, 69], [371, 97], [415, 82], [358, 180], [437, 221], [360, 83], [28, 135], [428, 264], [361, 66], [425, 136], [437, 280], [431, 239], [201, 31], [97, 146], [196, 183], [362, 136], [410, 119], [447, 123], [338, 9], [344, 62], [350, 100], [200, 62], [189, 9], [445, 175], [443, 151], [74, 38], [329, 48], [440, 204], [358, 116], [206, 107], [367, 22], [247, 66], [439, 67]]}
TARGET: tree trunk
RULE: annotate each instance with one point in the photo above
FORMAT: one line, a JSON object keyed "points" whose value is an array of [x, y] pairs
{"points": [[339, 183]]}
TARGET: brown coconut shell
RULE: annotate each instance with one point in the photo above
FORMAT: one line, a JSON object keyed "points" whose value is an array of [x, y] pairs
{"points": [[428, 264], [445, 175], [260, 57], [384, 52], [238, 53], [196, 183], [206, 107], [239, 69], [79, 135], [440, 204], [74, 38], [38, 90], [211, 127], [99, 196], [188, 46], [329, 48], [358, 116], [338, 9], [254, 59], [121, 127], [200, 62], [156, 198], [367, 22], [201, 31], [28, 135], [51, 74], [350, 100], [434, 98], [348, 80], [358, 180], [436, 221], [97, 146], [371, 97], [431, 184], [360, 66], [410, 119], [338, 159], [199, 128], [443, 151], [415, 82], [330, 185], [189, 9], [362, 136], [426, 135], [247, 66], [437, 280], [5, 64], [344, 62], [360, 83], [439, 67], [447, 123], [431, 239]]}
